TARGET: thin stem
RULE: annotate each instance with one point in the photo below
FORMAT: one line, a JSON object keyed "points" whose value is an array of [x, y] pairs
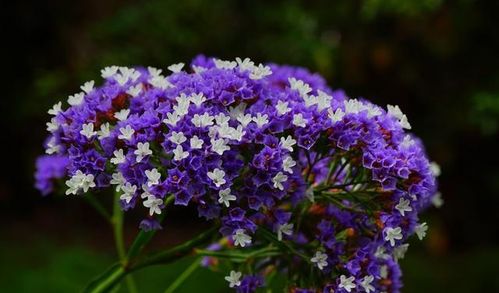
{"points": [[90, 198], [185, 274]]}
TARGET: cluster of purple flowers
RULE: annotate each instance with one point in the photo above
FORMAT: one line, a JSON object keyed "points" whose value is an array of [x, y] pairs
{"points": [[263, 148]]}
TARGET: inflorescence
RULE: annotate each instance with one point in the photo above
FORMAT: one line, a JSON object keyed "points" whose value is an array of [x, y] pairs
{"points": [[312, 184]]}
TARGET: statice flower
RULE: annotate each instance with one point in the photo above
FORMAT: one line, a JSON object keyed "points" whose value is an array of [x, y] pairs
{"points": [[302, 177]]}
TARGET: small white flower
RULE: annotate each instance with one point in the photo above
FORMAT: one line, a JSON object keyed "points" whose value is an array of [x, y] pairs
{"points": [[245, 64], [198, 69], [400, 251], [53, 125], [237, 111], [320, 260], [88, 130], [176, 68], [154, 205], [122, 115], [88, 87], [241, 238], [404, 123], [52, 147], [198, 99], [403, 206], [126, 133], [179, 154], [437, 200], [153, 177], [223, 64], [421, 230], [407, 142], [217, 176], [104, 131], [154, 71], [129, 191], [381, 253], [397, 113], [261, 120], [76, 99], [335, 116], [260, 72], [347, 283], [234, 279], [244, 119], [288, 143], [286, 229], [435, 169], [177, 137], [323, 101], [366, 284], [373, 110], [196, 142], [80, 181], [279, 179], [119, 157], [202, 120], [182, 107], [135, 90], [121, 79], [300, 86], [172, 119], [383, 271], [222, 119], [109, 71], [219, 146], [392, 234], [118, 180], [142, 151], [282, 108], [56, 109], [160, 82], [299, 121], [310, 100], [287, 164], [224, 197]]}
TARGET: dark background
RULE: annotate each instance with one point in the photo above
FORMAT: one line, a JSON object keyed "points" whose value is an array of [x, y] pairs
{"points": [[439, 60]]}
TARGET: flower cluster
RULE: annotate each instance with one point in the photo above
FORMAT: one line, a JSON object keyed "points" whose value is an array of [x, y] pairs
{"points": [[274, 154]]}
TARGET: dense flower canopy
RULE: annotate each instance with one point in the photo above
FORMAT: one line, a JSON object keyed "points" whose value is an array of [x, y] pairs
{"points": [[270, 150]]}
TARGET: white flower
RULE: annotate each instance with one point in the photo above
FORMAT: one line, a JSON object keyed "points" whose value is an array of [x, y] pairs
{"points": [[245, 119], [287, 164], [172, 119], [104, 131], [237, 111], [88, 86], [383, 271], [119, 157], [261, 120], [353, 106], [392, 234], [403, 206], [288, 143], [129, 191], [260, 72], [299, 121], [146, 192], [56, 109], [198, 99], [217, 176], [225, 131], [234, 279], [118, 180], [153, 177], [223, 64], [366, 284], [76, 99], [122, 115], [435, 169], [52, 147], [407, 142], [224, 197], [347, 283], [241, 238], [126, 133], [202, 120], [198, 69], [400, 251], [88, 130], [121, 79], [153, 204], [222, 119], [302, 87], [109, 71], [196, 142], [179, 153], [335, 116], [182, 107], [80, 181], [177, 137], [282, 107], [154, 71], [404, 123], [134, 91], [437, 200], [286, 229], [279, 179], [421, 230], [53, 125], [142, 151], [310, 100], [323, 101], [320, 259], [373, 110], [245, 64], [381, 253], [160, 82], [219, 146], [397, 113], [176, 68]]}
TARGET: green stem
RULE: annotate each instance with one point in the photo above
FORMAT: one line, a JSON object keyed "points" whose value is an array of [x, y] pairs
{"points": [[90, 198], [185, 274]]}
